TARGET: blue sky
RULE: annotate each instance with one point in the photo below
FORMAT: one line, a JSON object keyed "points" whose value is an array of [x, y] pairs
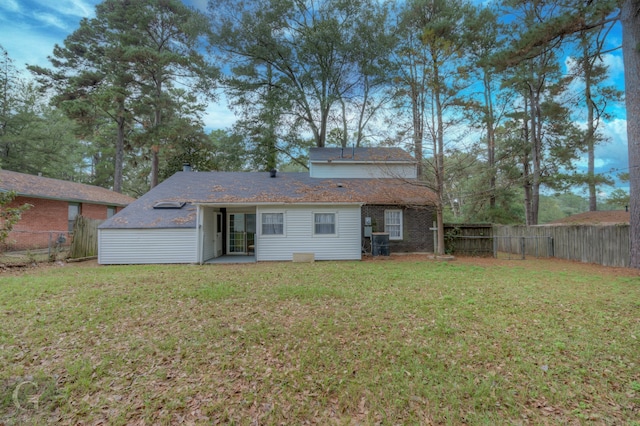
{"points": [[30, 28]]}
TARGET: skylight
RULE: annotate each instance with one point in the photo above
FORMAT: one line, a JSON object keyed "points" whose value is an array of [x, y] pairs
{"points": [[169, 205]]}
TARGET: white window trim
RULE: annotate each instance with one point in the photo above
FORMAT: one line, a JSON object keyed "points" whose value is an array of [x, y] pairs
{"points": [[401, 224], [313, 224], [284, 224]]}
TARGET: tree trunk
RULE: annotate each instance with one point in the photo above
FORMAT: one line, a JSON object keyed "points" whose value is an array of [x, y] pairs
{"points": [[631, 51], [439, 161], [491, 139], [271, 138], [417, 110], [157, 121], [361, 116], [536, 152], [527, 191], [590, 146], [588, 66], [154, 165], [119, 157], [344, 139], [526, 169], [324, 118]]}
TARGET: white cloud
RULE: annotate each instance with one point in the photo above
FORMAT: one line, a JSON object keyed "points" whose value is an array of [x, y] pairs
{"points": [[83, 8], [616, 131], [50, 20], [75, 8], [615, 64], [613, 61], [611, 157], [615, 153], [218, 115], [30, 32], [10, 5]]}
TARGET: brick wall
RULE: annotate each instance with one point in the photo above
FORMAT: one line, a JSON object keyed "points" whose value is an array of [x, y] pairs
{"points": [[415, 227], [45, 222], [94, 211]]}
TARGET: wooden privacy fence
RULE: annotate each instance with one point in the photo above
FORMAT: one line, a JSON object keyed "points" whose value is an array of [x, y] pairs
{"points": [[519, 247], [469, 239], [606, 245], [85, 238]]}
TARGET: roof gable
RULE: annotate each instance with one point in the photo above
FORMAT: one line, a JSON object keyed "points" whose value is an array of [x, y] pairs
{"points": [[56, 189]]}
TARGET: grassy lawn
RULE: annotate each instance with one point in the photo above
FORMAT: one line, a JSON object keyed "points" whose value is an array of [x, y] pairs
{"points": [[389, 342]]}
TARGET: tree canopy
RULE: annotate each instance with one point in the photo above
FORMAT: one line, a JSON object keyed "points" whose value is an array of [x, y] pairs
{"points": [[501, 103]]}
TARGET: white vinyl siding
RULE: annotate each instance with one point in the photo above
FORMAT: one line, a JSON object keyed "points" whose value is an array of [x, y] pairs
{"points": [[300, 236], [362, 170], [208, 233], [393, 224], [131, 246]]}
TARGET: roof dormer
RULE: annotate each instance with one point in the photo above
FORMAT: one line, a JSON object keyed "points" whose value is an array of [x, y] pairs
{"points": [[370, 162]]}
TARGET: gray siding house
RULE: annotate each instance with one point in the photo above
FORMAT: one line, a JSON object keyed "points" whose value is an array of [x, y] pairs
{"points": [[194, 217]]}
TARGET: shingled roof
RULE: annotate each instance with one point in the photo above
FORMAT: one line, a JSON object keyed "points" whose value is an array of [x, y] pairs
{"points": [[229, 188], [368, 154], [55, 189]]}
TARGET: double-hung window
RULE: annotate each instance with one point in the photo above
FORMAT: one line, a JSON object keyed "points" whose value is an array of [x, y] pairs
{"points": [[393, 224], [324, 223], [74, 211], [272, 223]]}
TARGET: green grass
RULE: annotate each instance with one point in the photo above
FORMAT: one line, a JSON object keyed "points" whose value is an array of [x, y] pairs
{"points": [[390, 342]]}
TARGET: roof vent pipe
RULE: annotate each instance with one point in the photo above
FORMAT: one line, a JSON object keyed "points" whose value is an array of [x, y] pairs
{"points": [[186, 167], [273, 172]]}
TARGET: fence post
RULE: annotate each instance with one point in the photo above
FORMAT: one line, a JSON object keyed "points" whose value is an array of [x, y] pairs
{"points": [[522, 246], [435, 237]]}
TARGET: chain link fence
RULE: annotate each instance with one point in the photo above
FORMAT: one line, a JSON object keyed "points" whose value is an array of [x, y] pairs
{"points": [[28, 244]]}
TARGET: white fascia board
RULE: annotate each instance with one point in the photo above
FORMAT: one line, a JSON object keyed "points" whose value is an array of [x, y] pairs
{"points": [[69, 200], [363, 162]]}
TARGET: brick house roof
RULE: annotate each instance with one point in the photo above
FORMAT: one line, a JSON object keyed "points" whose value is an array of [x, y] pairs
{"points": [[229, 188], [55, 189]]}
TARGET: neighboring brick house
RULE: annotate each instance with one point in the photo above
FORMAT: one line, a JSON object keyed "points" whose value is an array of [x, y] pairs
{"points": [[55, 205]]}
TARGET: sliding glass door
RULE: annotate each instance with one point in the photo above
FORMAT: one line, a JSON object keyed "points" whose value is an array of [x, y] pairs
{"points": [[242, 230]]}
